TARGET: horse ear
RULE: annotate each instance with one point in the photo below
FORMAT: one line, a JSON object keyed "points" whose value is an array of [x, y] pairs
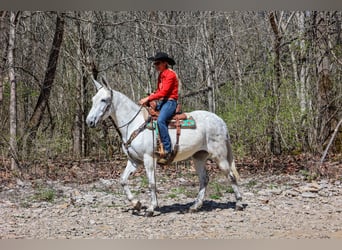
{"points": [[96, 84], [105, 82]]}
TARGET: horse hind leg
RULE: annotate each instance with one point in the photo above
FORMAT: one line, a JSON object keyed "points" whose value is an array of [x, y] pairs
{"points": [[200, 161], [227, 165], [130, 168]]}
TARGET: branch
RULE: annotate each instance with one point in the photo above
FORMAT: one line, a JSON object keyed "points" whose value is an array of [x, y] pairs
{"points": [[203, 90], [12, 152], [106, 24], [331, 140]]}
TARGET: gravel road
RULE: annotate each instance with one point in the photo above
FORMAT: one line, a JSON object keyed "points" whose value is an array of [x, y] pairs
{"points": [[282, 206]]}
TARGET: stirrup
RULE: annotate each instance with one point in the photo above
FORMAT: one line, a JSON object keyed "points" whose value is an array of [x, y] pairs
{"points": [[165, 159]]}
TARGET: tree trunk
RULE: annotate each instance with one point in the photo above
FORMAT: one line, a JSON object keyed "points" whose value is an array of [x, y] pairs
{"points": [[209, 65], [275, 144], [50, 73], [77, 127], [13, 95], [303, 63], [299, 65], [327, 115], [80, 131], [3, 52]]}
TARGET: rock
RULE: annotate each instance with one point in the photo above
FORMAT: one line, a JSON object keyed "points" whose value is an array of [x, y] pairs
{"points": [[311, 188], [291, 193], [324, 182], [324, 193], [20, 183], [182, 180], [264, 193], [248, 194], [309, 195], [73, 214], [276, 191], [83, 199], [263, 200], [106, 183], [63, 206], [107, 201]]}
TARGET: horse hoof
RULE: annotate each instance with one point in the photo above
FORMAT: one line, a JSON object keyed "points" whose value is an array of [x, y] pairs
{"points": [[137, 205], [239, 206], [148, 213], [193, 209]]}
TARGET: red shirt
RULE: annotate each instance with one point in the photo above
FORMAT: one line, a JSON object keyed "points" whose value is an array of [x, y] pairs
{"points": [[167, 86]]}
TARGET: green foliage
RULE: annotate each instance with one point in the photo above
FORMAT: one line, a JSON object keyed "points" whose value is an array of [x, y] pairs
{"points": [[218, 189], [230, 190], [272, 186], [44, 194], [25, 204], [251, 183], [177, 191], [215, 196], [250, 110], [172, 196], [309, 176], [144, 182], [246, 118]]}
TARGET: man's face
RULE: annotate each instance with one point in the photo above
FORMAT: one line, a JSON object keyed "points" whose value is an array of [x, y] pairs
{"points": [[160, 65]]}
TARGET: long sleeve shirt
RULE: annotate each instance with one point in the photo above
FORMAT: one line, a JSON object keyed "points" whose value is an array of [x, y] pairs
{"points": [[167, 86]]}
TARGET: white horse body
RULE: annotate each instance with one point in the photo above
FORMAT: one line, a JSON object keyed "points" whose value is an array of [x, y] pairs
{"points": [[209, 139]]}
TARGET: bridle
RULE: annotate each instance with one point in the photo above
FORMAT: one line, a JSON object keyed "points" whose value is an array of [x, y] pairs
{"points": [[135, 133], [117, 128]]}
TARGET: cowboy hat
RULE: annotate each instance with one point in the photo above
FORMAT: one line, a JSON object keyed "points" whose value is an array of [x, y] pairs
{"points": [[162, 57]]}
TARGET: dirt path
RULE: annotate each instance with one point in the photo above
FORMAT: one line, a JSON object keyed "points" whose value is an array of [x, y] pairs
{"points": [[277, 207]]}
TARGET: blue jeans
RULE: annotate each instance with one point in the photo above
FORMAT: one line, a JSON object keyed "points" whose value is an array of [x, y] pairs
{"points": [[167, 109]]}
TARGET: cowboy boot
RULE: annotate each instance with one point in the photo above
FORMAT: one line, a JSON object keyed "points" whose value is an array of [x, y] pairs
{"points": [[165, 159]]}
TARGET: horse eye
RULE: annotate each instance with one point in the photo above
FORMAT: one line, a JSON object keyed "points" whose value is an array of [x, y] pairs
{"points": [[103, 100]]}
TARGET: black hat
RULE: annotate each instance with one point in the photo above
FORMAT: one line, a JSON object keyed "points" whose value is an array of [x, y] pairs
{"points": [[163, 57]]}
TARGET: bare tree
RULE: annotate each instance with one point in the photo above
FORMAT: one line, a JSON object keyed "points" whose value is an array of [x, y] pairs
{"points": [[4, 50], [275, 139], [50, 73], [272, 76], [327, 110], [13, 98]]}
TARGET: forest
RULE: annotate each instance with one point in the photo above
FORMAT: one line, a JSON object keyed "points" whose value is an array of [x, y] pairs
{"points": [[273, 76]]}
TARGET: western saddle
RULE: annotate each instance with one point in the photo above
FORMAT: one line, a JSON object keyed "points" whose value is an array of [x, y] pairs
{"points": [[179, 120]]}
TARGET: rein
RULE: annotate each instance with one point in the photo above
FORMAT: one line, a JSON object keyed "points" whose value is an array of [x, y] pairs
{"points": [[135, 133], [127, 123], [130, 121]]}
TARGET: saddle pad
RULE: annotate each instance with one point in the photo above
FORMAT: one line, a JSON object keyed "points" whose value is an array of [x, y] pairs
{"points": [[189, 123]]}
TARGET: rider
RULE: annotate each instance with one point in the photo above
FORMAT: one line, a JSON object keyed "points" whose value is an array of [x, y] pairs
{"points": [[167, 95]]}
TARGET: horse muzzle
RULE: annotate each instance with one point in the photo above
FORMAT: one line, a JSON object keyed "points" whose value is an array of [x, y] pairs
{"points": [[91, 122]]}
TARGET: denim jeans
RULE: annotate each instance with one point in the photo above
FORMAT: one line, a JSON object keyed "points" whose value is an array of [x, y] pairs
{"points": [[167, 109]]}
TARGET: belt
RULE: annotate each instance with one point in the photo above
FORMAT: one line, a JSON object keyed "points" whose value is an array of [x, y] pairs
{"points": [[167, 99]]}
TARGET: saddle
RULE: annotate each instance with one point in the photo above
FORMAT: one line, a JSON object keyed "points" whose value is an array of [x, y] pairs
{"points": [[154, 113], [178, 121], [184, 119]]}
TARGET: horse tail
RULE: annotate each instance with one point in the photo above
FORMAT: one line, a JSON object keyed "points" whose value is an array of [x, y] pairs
{"points": [[231, 161]]}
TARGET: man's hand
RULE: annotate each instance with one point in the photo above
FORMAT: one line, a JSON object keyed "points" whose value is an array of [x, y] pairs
{"points": [[143, 101]]}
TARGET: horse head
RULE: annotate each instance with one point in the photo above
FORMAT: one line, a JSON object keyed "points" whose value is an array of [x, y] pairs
{"points": [[101, 104]]}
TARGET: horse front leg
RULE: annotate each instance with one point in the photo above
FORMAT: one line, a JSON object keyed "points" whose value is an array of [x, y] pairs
{"points": [[150, 164], [130, 168]]}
